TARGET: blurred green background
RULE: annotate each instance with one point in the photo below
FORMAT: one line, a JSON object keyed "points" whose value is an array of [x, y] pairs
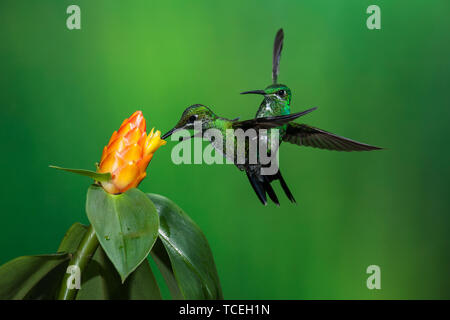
{"points": [[64, 92]]}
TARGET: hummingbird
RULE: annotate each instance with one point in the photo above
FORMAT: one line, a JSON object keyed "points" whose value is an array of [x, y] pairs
{"points": [[204, 116], [277, 102]]}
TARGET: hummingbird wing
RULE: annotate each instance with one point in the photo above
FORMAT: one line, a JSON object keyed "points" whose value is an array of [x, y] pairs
{"points": [[269, 122], [277, 47], [304, 135]]}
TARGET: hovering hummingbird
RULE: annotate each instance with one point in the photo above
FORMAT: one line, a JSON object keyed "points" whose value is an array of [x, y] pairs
{"points": [[277, 102], [203, 115]]}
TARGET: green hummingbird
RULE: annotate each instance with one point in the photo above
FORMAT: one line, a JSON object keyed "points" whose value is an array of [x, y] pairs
{"points": [[277, 102], [205, 117]]}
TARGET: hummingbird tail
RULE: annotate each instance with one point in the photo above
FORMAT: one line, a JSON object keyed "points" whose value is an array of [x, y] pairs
{"points": [[261, 186], [270, 190], [285, 187], [286, 190], [258, 187]]}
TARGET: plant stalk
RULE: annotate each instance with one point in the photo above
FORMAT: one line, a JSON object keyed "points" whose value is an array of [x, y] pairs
{"points": [[80, 259]]}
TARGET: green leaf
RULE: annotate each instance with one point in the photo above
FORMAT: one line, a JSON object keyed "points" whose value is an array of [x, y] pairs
{"points": [[126, 226], [88, 173], [39, 277], [164, 265], [19, 276], [48, 287], [72, 238], [100, 281], [192, 265]]}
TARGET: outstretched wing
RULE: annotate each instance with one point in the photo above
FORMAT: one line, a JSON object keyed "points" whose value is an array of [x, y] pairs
{"points": [[304, 135], [277, 47], [269, 122]]}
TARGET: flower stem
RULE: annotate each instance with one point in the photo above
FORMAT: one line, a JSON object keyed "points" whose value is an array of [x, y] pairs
{"points": [[80, 259]]}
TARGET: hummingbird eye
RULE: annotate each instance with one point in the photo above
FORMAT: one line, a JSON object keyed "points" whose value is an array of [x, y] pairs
{"points": [[281, 93], [192, 118]]}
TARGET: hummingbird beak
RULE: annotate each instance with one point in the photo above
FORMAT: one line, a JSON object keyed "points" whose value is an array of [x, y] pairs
{"points": [[179, 126], [254, 92], [168, 133]]}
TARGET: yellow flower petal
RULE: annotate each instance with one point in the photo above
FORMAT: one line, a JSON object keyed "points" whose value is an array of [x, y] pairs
{"points": [[138, 180], [124, 130], [127, 174], [111, 163], [137, 119], [132, 153], [133, 136], [154, 143], [113, 137], [110, 187], [117, 146], [128, 154], [104, 154], [143, 163]]}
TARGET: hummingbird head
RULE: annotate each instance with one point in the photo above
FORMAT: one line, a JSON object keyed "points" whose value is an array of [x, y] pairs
{"points": [[275, 92], [196, 112]]}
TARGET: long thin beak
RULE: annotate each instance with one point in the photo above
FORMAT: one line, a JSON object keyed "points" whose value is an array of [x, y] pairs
{"points": [[254, 92], [168, 134]]}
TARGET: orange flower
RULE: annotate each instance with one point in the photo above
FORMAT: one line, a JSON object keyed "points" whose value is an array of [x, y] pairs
{"points": [[128, 153]]}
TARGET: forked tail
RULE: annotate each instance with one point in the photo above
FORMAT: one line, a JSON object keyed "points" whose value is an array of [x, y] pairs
{"points": [[261, 184]]}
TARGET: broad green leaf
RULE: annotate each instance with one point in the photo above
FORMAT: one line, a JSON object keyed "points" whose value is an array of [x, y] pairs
{"points": [[19, 276], [164, 265], [100, 281], [72, 238], [191, 259], [126, 226], [87, 173], [142, 285], [39, 277], [48, 287]]}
